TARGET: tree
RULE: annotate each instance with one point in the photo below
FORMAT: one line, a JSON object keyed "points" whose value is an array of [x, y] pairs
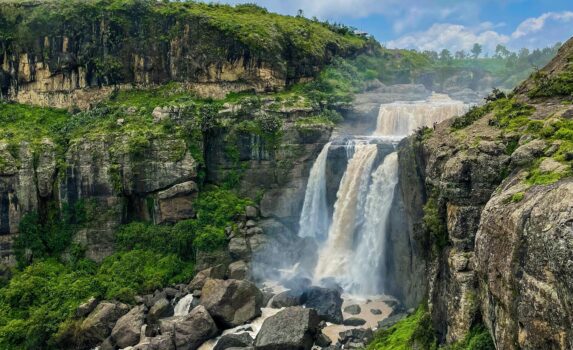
{"points": [[476, 50], [501, 51], [445, 55], [460, 55], [300, 13]]}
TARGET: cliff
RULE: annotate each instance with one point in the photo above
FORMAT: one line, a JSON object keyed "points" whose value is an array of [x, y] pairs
{"points": [[498, 213], [74, 53]]}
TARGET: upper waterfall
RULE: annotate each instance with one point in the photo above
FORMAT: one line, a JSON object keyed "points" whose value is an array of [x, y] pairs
{"points": [[400, 119]]}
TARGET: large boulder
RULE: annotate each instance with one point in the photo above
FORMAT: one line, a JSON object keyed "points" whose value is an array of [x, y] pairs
{"points": [[98, 324], [127, 330], [239, 270], [192, 330], [231, 302], [218, 272], [293, 328], [239, 340], [287, 298], [326, 301], [161, 308]]}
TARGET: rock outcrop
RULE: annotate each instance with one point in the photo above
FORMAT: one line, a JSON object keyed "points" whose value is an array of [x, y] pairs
{"points": [[293, 328]]}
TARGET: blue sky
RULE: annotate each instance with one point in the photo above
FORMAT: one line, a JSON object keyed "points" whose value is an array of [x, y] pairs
{"points": [[438, 24]]}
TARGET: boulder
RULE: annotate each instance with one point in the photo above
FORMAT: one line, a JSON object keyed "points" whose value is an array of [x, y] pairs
{"points": [[218, 272], [392, 320], [293, 328], [192, 330], [327, 303], [355, 336], [528, 152], [160, 342], [239, 248], [354, 321], [323, 341], [286, 299], [161, 308], [239, 270], [376, 311], [353, 309], [87, 307], [127, 330], [251, 212], [240, 340], [98, 324], [231, 302]]}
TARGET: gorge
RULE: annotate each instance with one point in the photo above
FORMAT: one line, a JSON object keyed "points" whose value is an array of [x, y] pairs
{"points": [[181, 175]]}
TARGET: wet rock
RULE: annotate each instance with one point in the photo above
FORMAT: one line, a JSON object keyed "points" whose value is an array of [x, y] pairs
{"points": [[231, 302], [87, 307], [327, 303], [287, 298], [254, 231], [127, 330], [355, 336], [239, 270], [354, 321], [392, 320], [323, 341], [376, 311], [293, 328], [98, 324], [240, 340], [192, 330], [161, 308], [217, 272], [250, 224], [298, 283], [267, 296], [353, 309]]}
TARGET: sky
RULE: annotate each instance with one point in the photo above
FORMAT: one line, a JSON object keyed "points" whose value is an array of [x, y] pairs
{"points": [[438, 24]]}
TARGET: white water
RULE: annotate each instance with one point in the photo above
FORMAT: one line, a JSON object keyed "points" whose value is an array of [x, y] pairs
{"points": [[336, 256], [314, 219], [367, 267], [400, 119], [183, 306], [353, 253]]}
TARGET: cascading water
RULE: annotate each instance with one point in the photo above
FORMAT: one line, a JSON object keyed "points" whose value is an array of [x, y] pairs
{"points": [[336, 256], [314, 219], [354, 245], [400, 119], [367, 267]]}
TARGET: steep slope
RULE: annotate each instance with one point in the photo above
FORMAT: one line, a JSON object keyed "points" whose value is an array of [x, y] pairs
{"points": [[498, 214]]}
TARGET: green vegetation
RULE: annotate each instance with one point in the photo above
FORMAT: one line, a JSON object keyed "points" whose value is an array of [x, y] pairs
{"points": [[477, 339], [434, 224], [416, 332], [413, 332], [38, 303], [517, 197]]}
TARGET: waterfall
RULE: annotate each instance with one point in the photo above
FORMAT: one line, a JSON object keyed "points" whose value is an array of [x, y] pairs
{"points": [[400, 119], [336, 256], [352, 249], [367, 267], [183, 306], [314, 219]]}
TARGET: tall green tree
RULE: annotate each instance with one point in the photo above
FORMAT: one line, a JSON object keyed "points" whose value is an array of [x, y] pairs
{"points": [[476, 50]]}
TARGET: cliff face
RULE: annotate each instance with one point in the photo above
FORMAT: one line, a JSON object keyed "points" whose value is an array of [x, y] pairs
{"points": [[498, 217], [57, 53]]}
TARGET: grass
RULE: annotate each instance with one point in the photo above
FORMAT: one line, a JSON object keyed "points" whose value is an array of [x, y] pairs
{"points": [[415, 329]]}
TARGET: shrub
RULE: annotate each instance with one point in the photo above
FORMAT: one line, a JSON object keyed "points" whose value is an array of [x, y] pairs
{"points": [[414, 330]]}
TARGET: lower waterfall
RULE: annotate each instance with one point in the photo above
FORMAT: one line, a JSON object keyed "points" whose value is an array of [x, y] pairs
{"points": [[336, 256]]}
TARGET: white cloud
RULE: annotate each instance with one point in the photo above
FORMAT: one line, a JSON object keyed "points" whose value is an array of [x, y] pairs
{"points": [[454, 37], [532, 33], [536, 24]]}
